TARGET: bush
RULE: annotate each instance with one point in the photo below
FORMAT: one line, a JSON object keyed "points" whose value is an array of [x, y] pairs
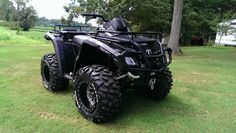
{"points": [[210, 43], [25, 25], [3, 23], [12, 25], [4, 37]]}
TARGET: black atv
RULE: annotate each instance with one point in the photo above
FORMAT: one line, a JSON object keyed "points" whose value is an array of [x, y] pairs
{"points": [[103, 64]]}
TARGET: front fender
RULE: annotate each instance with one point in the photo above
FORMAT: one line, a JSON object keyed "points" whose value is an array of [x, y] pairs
{"points": [[109, 51], [93, 51], [100, 45]]}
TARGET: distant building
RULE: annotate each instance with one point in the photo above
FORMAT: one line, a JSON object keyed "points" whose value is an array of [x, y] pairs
{"points": [[226, 34]]}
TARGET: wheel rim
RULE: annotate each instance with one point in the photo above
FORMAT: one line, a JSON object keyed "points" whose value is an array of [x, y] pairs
{"points": [[46, 74], [87, 94]]}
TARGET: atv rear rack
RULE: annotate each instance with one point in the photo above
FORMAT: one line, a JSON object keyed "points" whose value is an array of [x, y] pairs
{"points": [[133, 34], [68, 31], [58, 27]]}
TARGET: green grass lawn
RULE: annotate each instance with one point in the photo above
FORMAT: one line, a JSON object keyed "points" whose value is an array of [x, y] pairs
{"points": [[203, 98]]}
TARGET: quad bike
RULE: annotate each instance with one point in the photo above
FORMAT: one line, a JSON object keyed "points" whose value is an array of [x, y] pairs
{"points": [[102, 65]]}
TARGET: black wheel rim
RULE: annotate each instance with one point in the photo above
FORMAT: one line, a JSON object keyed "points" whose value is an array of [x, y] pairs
{"points": [[87, 95], [46, 74]]}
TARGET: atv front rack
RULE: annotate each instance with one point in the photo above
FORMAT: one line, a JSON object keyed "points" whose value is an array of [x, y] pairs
{"points": [[114, 37]]}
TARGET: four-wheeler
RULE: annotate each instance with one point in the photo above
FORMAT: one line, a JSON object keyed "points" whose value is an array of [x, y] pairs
{"points": [[102, 65]]}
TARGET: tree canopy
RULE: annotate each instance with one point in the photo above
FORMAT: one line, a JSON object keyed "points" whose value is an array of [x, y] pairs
{"points": [[7, 10], [21, 12], [200, 17]]}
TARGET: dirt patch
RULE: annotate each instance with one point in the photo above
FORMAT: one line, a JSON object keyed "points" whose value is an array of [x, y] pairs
{"points": [[56, 117]]}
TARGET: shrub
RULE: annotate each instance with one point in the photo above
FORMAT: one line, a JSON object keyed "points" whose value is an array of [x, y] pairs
{"points": [[4, 37], [12, 25], [3, 23]]}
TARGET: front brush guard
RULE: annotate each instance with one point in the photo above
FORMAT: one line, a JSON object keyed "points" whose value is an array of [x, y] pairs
{"points": [[169, 52]]}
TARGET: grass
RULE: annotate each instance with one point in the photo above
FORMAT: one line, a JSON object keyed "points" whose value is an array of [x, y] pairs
{"points": [[203, 98]]}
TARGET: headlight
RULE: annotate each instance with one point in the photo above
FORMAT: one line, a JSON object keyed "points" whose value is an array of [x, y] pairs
{"points": [[130, 61]]}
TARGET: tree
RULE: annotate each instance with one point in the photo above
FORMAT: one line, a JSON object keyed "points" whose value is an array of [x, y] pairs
{"points": [[6, 10], [28, 18], [148, 15], [199, 17], [26, 15], [176, 26], [73, 11], [20, 5], [42, 21]]}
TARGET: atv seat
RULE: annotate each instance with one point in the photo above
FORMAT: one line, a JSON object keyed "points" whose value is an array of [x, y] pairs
{"points": [[70, 29], [73, 33], [69, 35], [80, 38]]}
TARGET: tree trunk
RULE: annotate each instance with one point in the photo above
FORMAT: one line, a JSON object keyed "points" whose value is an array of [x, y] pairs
{"points": [[18, 17], [175, 27]]}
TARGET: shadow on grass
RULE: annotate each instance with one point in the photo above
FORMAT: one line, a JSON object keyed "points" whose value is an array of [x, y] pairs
{"points": [[68, 91], [140, 108]]}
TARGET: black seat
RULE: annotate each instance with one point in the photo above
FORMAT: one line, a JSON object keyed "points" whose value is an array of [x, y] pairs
{"points": [[70, 29], [81, 38]]}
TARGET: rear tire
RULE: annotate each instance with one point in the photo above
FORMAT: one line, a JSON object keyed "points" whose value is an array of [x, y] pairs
{"points": [[96, 94], [50, 74]]}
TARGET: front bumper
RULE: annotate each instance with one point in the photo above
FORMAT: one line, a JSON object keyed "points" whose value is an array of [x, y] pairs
{"points": [[140, 76]]}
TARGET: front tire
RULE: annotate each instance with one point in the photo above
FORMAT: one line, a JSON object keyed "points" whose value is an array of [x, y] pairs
{"points": [[50, 74], [162, 86], [96, 94]]}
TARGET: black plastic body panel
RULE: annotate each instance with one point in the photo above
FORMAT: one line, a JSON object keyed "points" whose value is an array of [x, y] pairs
{"points": [[68, 52]]}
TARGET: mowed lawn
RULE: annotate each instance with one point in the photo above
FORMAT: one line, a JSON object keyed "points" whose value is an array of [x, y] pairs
{"points": [[203, 98]]}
